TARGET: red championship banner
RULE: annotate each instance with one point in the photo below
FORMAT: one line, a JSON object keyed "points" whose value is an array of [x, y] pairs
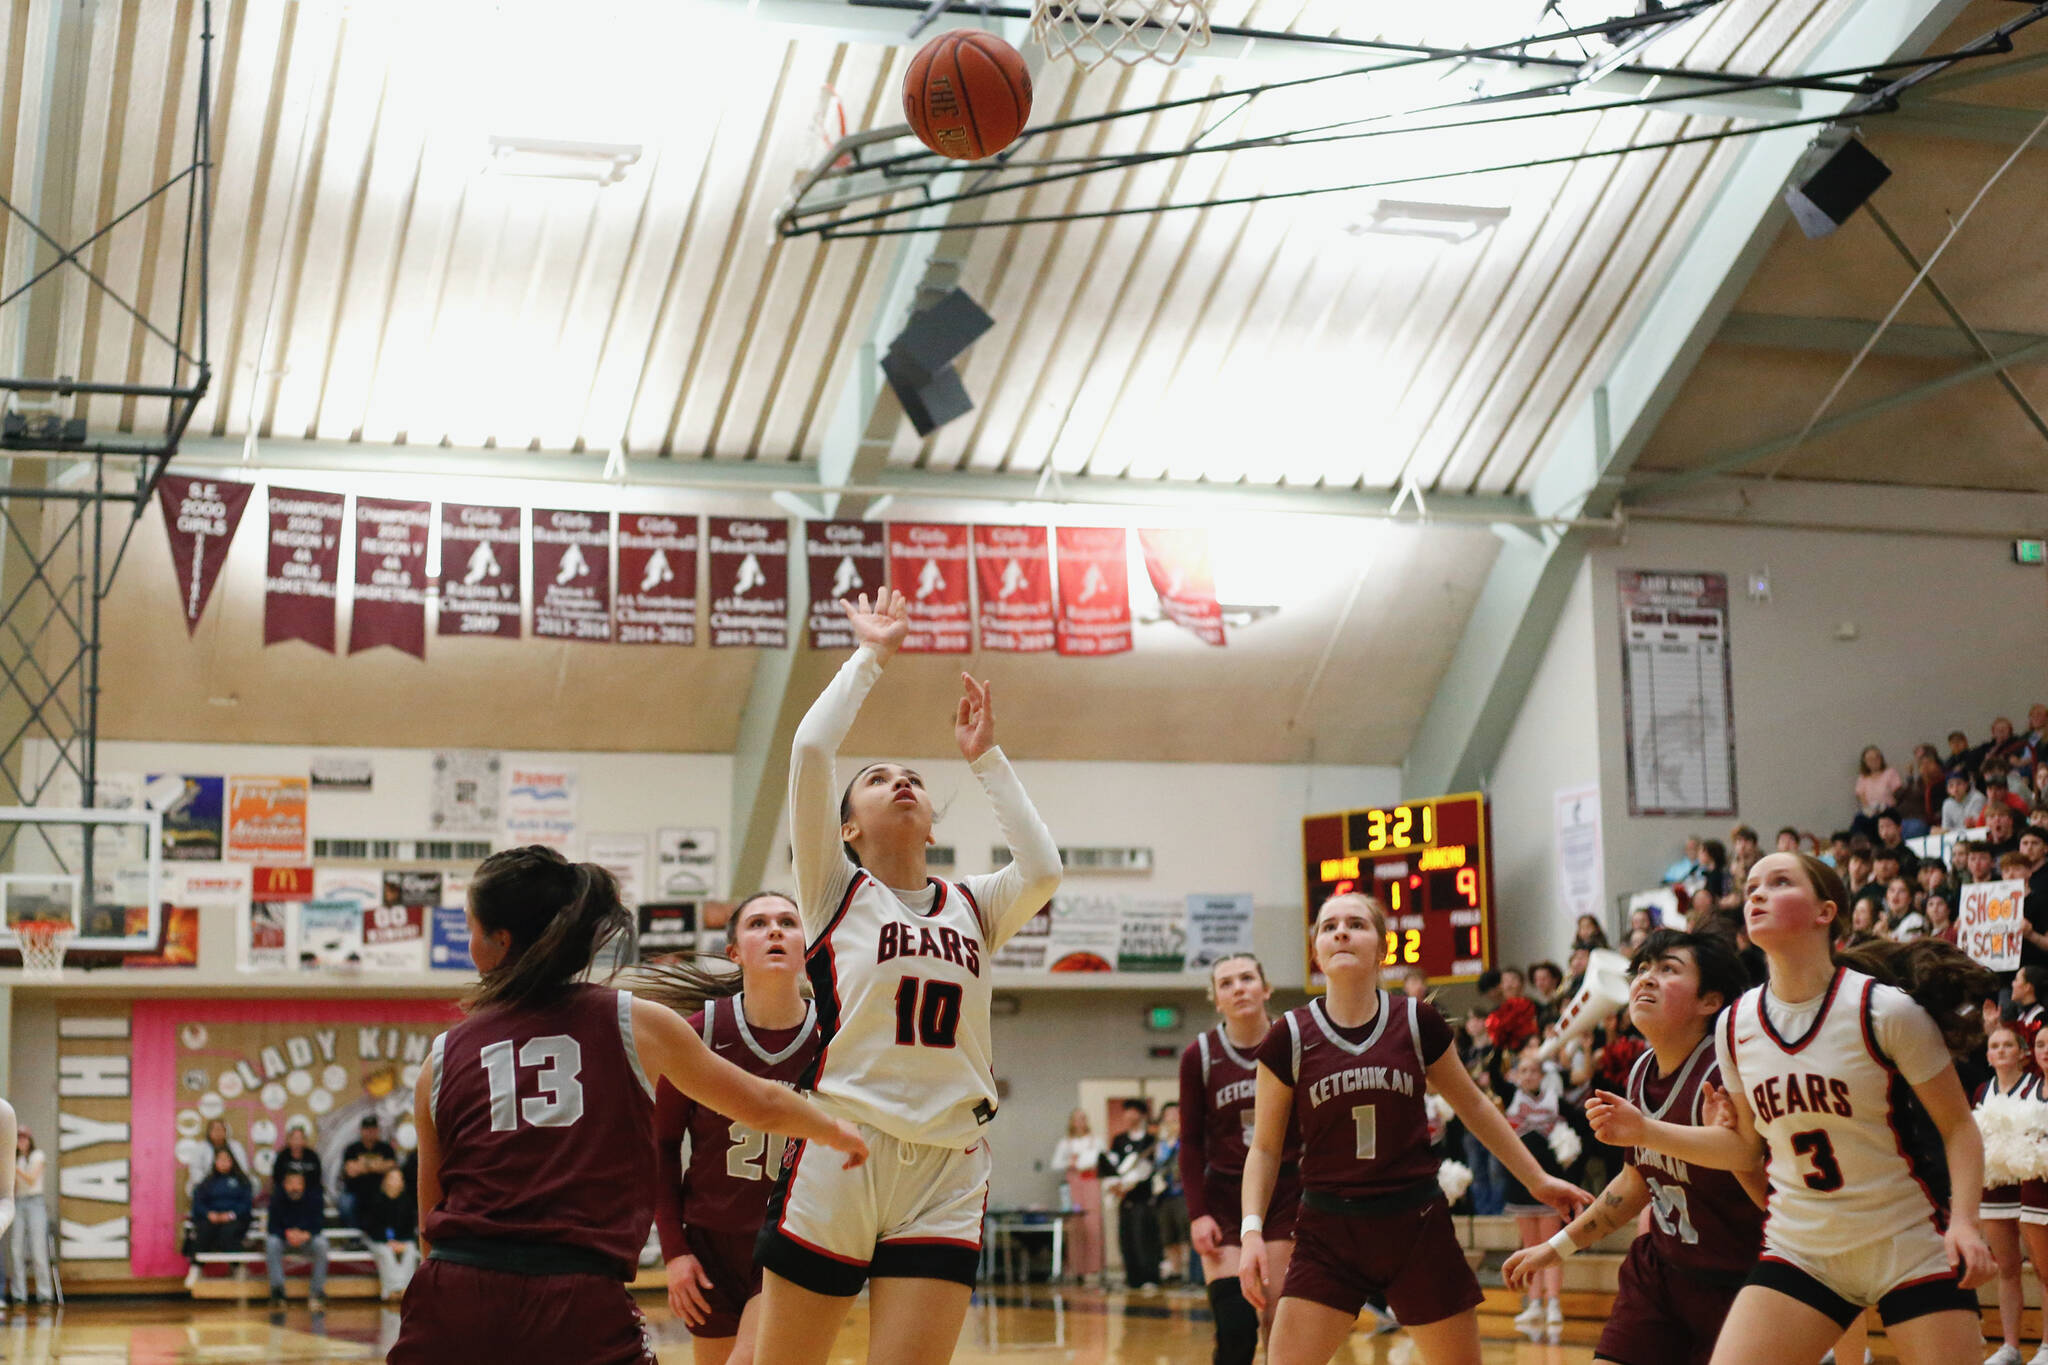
{"points": [[572, 575], [1178, 564], [479, 577], [1013, 566], [845, 559], [391, 576], [200, 517], [300, 579], [928, 565], [749, 583], [1095, 590], [657, 603]]}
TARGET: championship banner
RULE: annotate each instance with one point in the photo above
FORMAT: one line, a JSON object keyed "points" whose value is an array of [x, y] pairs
{"points": [[479, 574], [301, 578], [200, 517], [1013, 566], [657, 602], [391, 576], [1178, 563], [749, 583], [1095, 591], [928, 565], [266, 820], [844, 560], [1990, 923], [572, 575]]}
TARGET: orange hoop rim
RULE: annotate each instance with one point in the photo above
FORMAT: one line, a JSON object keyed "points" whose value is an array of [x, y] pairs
{"points": [[44, 930]]}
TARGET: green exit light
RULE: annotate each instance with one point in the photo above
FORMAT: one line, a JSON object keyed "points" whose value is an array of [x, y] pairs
{"points": [[1162, 1017], [2030, 552]]}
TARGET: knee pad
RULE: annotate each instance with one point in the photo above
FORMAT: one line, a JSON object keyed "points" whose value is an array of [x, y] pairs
{"points": [[1237, 1323]]}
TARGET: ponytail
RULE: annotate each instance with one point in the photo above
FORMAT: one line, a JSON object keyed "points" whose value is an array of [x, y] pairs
{"points": [[558, 913], [685, 983], [1941, 978]]}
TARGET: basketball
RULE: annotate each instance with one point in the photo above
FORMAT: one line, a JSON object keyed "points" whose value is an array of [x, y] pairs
{"points": [[967, 94]]}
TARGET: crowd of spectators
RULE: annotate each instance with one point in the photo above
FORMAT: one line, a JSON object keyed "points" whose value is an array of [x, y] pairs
{"points": [[1140, 1168]]}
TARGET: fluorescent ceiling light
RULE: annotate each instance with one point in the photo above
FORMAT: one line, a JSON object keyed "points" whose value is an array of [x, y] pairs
{"points": [[601, 163], [1438, 222]]}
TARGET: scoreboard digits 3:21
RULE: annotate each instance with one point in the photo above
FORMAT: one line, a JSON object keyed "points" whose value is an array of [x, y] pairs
{"points": [[1426, 862]]}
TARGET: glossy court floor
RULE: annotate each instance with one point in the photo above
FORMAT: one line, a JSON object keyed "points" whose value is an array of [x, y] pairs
{"points": [[1016, 1327]]}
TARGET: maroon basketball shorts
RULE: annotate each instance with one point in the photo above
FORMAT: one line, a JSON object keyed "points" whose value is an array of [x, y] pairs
{"points": [[1225, 1194], [464, 1315], [1412, 1257], [1665, 1314], [728, 1261]]}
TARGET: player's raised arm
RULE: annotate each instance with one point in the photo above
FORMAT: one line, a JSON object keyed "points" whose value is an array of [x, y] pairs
{"points": [[1012, 895]]}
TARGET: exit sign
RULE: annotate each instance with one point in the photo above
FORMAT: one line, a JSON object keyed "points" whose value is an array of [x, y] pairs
{"points": [[2030, 552]]}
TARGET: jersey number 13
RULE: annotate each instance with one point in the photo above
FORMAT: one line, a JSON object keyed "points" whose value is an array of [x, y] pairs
{"points": [[559, 1103]]}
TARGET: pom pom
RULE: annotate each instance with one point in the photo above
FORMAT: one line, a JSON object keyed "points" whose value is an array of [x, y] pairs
{"points": [[2015, 1135], [1564, 1145], [1454, 1178]]}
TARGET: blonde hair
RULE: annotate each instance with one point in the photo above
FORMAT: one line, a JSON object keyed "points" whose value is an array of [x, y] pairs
{"points": [[1252, 958], [1374, 911]]}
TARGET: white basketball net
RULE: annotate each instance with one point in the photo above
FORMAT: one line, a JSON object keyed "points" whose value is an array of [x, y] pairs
{"points": [[1091, 32], [42, 949]]}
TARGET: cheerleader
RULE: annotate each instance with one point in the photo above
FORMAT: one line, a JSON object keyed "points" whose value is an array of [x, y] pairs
{"points": [[1349, 1071], [2000, 1207], [1218, 1080], [1816, 1060], [2034, 1193], [1533, 1110]]}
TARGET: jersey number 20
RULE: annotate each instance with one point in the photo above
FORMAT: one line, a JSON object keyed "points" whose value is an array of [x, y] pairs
{"points": [[560, 1101]]}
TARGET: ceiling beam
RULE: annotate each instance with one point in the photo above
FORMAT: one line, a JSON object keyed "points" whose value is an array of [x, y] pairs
{"points": [[1846, 336], [1468, 722], [1991, 123]]}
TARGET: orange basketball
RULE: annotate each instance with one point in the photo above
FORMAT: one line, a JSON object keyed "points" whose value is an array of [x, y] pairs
{"points": [[967, 94]]}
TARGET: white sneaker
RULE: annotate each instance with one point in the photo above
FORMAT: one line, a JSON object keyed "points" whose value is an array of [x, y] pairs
{"points": [[1554, 1314], [1531, 1314], [2040, 1356], [2004, 1355]]}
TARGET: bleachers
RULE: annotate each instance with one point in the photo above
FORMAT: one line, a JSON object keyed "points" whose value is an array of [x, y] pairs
{"points": [[351, 1274]]}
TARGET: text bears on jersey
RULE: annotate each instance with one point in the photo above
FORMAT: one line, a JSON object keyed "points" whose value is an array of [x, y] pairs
{"points": [[898, 939], [1777, 1096]]}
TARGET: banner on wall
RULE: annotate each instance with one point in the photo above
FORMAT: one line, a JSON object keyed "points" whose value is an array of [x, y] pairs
{"points": [[479, 572], [686, 863], [101, 1154], [749, 562], [466, 791], [928, 565], [1219, 926], [303, 574], [1095, 590], [1990, 923], [192, 809], [572, 575], [843, 559], [343, 773], [200, 517], [1177, 562], [1581, 880], [391, 576], [1087, 931], [267, 938], [395, 936], [540, 806], [667, 927], [448, 950], [1013, 569], [625, 857], [657, 601], [1027, 948], [267, 820], [1152, 936], [330, 935]]}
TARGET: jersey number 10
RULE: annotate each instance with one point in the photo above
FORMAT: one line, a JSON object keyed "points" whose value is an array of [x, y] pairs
{"points": [[560, 1101], [927, 1012]]}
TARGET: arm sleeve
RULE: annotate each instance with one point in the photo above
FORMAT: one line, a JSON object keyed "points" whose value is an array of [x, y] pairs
{"points": [[671, 1122], [1020, 890], [1194, 1132], [1277, 1052], [1432, 1032], [822, 869], [1908, 1035]]}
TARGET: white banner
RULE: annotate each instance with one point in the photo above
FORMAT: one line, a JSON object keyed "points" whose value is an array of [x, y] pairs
{"points": [[540, 806], [625, 857], [1581, 883], [686, 864], [1989, 918]]}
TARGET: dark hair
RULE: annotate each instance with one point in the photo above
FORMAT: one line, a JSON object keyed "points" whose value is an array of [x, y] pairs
{"points": [[1890, 813], [1721, 970], [686, 982], [1489, 980], [2037, 977], [558, 914], [1142, 1106], [1863, 768], [1717, 851], [846, 812], [1941, 978], [1785, 830], [1746, 832], [20, 1133], [1534, 967], [370, 1121]]}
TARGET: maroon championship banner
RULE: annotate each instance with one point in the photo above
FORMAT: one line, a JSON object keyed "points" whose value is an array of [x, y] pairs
{"points": [[657, 602], [303, 573], [200, 517], [1095, 590], [479, 577], [1013, 569], [1178, 563], [572, 575], [749, 583], [391, 576], [845, 559], [928, 565]]}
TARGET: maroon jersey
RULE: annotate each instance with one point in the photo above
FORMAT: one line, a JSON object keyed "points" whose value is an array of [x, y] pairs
{"points": [[1700, 1220], [546, 1127], [732, 1166], [1358, 1094], [1217, 1086]]}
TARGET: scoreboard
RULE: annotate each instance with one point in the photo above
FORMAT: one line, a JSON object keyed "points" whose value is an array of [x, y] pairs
{"points": [[1427, 863]]}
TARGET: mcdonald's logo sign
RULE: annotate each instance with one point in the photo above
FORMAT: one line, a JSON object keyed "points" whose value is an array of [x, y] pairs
{"points": [[282, 884]]}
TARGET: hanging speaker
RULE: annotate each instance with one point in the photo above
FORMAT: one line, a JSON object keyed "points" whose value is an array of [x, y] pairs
{"points": [[1832, 184], [936, 336], [929, 399]]}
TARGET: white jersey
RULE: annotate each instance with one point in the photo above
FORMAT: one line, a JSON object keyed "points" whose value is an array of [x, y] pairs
{"points": [[902, 977], [1823, 1078]]}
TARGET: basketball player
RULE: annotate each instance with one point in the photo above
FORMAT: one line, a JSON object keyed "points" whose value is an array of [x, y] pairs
{"points": [[536, 1130], [1218, 1079], [899, 964], [1351, 1070], [1815, 1060], [2012, 1078], [1706, 1226], [709, 1215]]}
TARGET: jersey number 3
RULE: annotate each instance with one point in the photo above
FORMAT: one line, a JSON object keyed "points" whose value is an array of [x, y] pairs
{"points": [[560, 1101], [1826, 1175]]}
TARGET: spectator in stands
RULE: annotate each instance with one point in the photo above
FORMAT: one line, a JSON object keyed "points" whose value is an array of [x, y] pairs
{"points": [[1857, 875], [221, 1205], [1980, 864], [2003, 786], [1920, 800], [218, 1137], [1714, 871], [1077, 1157], [389, 1221], [1965, 804], [1863, 917], [1589, 934], [1941, 915], [1877, 786], [1130, 1159], [1545, 979], [297, 1224], [1837, 855], [1574, 973], [2026, 1012], [31, 1231], [2004, 745], [2036, 737], [1959, 752], [1415, 984], [1902, 922], [1169, 1198], [363, 1163], [1744, 852], [1511, 1022], [1891, 838], [1787, 841], [1684, 869], [2000, 832], [1703, 909], [298, 1155]]}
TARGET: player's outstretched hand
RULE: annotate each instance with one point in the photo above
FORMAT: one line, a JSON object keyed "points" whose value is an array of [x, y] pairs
{"points": [[1568, 1199], [880, 627], [1206, 1237], [974, 725], [846, 1138], [1526, 1264], [686, 1285], [1615, 1121], [1968, 1252], [1251, 1270], [1716, 1109]]}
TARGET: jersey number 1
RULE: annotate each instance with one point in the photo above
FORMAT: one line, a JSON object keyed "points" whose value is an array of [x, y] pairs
{"points": [[927, 1012], [560, 1103]]}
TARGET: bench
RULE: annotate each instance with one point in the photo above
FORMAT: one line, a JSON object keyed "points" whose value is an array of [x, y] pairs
{"points": [[351, 1274]]}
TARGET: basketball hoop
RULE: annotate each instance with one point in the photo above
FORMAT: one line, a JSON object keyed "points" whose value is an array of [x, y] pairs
{"points": [[1091, 32], [43, 942]]}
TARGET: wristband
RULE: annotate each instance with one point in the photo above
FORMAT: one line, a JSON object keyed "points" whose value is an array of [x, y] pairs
{"points": [[1252, 1223], [1563, 1244]]}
